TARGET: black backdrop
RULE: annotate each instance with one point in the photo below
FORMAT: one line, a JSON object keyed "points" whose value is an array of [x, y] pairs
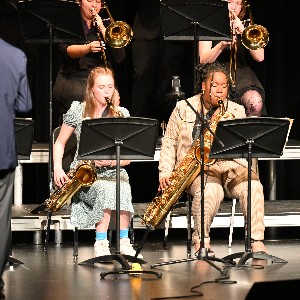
{"points": [[278, 73]]}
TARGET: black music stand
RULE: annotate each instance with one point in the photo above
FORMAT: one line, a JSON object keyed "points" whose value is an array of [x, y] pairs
{"points": [[103, 139], [50, 22], [24, 131], [248, 138], [195, 20]]}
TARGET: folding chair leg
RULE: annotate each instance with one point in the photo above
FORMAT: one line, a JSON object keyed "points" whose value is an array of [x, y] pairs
{"points": [[49, 215], [231, 222], [75, 246], [167, 225], [189, 227], [110, 233], [131, 232]]}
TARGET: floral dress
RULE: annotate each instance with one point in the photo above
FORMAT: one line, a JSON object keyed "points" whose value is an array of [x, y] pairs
{"points": [[89, 202]]}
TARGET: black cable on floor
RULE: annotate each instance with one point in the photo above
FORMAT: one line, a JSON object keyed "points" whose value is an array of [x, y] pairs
{"points": [[223, 279]]}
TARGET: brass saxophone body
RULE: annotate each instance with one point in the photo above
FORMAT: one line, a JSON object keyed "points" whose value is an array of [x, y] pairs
{"points": [[84, 174], [182, 177]]}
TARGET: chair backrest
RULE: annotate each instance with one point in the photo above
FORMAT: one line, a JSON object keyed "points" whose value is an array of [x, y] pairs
{"points": [[70, 148]]}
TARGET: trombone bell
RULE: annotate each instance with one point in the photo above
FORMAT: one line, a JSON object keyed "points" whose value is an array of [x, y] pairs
{"points": [[118, 34], [255, 37]]}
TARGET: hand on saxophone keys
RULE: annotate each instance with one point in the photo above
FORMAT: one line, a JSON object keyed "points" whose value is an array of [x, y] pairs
{"points": [[59, 177], [163, 183]]}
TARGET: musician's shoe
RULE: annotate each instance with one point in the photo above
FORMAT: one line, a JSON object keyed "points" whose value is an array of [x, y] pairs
{"points": [[127, 249], [101, 248]]}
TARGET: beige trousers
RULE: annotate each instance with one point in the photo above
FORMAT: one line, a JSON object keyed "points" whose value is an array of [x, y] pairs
{"points": [[227, 178]]}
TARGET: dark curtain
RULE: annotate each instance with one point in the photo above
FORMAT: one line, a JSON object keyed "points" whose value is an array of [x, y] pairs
{"points": [[278, 74]]}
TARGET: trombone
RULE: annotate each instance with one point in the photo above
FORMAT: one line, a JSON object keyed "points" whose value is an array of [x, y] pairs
{"points": [[118, 34], [253, 37], [232, 61], [93, 11]]}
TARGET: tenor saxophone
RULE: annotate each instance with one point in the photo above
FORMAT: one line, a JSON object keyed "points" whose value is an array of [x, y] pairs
{"points": [[182, 177], [83, 175]]}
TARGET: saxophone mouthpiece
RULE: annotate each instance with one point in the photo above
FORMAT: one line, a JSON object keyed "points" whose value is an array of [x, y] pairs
{"points": [[108, 102]]}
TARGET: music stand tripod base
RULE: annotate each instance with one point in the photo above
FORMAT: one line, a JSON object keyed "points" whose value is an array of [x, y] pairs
{"points": [[244, 256], [11, 261], [122, 259], [203, 257]]}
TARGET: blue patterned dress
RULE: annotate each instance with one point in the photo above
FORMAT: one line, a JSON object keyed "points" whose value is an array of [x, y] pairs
{"points": [[89, 202]]}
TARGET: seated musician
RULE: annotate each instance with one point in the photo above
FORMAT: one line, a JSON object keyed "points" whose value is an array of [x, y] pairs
{"points": [[93, 206], [224, 177]]}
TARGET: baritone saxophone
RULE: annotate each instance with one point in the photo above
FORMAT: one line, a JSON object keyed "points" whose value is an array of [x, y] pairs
{"points": [[183, 175]]}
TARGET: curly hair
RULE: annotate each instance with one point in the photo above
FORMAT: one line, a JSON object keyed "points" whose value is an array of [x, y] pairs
{"points": [[204, 70]]}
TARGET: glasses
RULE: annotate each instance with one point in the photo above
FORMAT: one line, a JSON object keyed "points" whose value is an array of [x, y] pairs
{"points": [[98, 1]]}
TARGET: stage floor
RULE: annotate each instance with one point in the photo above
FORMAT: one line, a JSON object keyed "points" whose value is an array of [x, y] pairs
{"points": [[54, 274]]}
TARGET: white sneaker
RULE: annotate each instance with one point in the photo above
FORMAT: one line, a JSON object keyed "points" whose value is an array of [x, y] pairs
{"points": [[127, 249], [101, 248]]}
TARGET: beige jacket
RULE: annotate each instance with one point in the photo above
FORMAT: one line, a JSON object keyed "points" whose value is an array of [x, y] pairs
{"points": [[178, 136]]}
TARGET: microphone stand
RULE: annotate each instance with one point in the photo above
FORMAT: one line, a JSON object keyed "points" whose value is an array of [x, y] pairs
{"points": [[203, 253]]}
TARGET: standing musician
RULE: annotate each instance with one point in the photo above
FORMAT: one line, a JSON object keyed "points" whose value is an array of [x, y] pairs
{"points": [[93, 206], [224, 177], [247, 91], [15, 97], [79, 60]]}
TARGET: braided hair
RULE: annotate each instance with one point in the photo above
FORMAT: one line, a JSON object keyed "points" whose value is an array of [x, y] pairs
{"points": [[204, 70]]}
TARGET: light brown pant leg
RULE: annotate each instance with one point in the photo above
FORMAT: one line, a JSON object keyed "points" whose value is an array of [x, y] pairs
{"points": [[213, 195], [257, 206]]}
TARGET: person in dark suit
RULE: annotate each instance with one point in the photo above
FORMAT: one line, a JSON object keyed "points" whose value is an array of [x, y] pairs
{"points": [[15, 97]]}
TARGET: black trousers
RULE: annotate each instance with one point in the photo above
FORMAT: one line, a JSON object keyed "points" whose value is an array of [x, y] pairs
{"points": [[6, 195]]}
